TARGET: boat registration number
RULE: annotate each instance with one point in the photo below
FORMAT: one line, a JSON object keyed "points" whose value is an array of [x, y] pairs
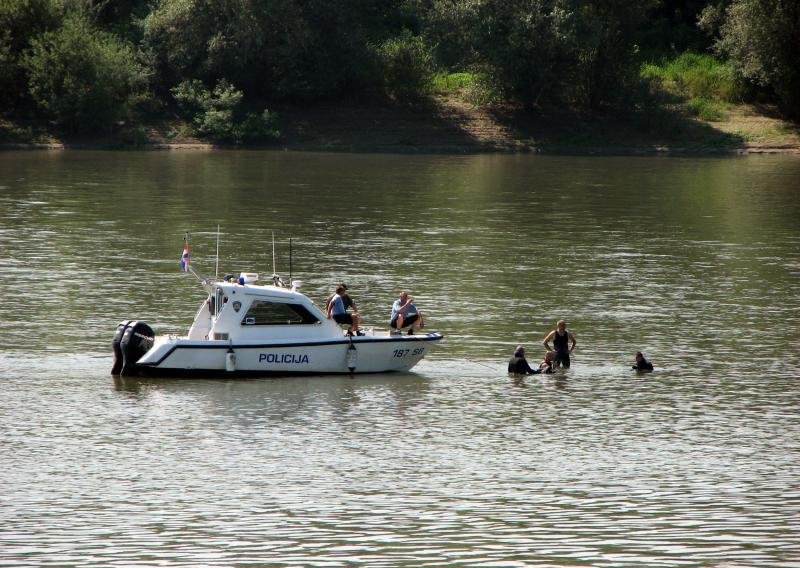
{"points": [[407, 352]]}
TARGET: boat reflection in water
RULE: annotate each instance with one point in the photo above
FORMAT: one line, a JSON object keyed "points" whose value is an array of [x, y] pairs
{"points": [[244, 328]]}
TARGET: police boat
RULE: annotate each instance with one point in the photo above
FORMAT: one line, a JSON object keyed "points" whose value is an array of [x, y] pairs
{"points": [[246, 328]]}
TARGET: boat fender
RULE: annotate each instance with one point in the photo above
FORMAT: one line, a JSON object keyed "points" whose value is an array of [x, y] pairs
{"points": [[137, 339], [352, 357], [230, 360]]}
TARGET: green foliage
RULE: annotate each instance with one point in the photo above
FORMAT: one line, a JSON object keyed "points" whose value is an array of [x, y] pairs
{"points": [[20, 22], [282, 49], [604, 49], [696, 75], [707, 109], [406, 65], [473, 88], [762, 38], [87, 63], [448, 83], [577, 52], [450, 27], [525, 46], [217, 114], [82, 77]]}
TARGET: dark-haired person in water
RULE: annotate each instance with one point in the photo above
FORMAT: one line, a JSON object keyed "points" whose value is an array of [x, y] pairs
{"points": [[642, 364], [518, 365]]}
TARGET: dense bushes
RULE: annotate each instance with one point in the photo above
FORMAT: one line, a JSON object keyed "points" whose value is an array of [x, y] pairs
{"points": [[81, 77], [84, 63], [218, 115], [576, 52], [406, 66], [20, 22], [278, 49], [762, 39]]}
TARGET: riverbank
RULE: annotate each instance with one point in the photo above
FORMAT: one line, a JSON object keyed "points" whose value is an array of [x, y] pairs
{"points": [[449, 125]]}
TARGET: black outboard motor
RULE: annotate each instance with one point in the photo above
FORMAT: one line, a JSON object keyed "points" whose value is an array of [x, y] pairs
{"points": [[132, 340], [117, 367]]}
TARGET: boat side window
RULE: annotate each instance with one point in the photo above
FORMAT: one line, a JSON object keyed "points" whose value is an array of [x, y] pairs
{"points": [[272, 313]]}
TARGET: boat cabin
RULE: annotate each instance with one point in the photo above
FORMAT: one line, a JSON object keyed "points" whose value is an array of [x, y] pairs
{"points": [[243, 311]]}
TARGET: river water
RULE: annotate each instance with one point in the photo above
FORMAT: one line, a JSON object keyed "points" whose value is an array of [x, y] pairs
{"points": [[695, 261]]}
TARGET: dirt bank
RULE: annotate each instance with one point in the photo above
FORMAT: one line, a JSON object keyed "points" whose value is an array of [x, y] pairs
{"points": [[452, 126]]}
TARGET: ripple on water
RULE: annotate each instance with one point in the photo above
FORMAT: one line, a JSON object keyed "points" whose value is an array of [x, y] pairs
{"points": [[693, 465]]}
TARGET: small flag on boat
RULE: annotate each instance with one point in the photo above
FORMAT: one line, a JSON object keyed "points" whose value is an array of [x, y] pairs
{"points": [[185, 256]]}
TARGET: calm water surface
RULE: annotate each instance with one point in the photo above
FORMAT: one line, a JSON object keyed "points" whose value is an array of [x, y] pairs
{"points": [[696, 262]]}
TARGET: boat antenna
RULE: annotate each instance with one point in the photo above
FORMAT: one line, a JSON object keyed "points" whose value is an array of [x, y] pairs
{"points": [[216, 266], [290, 260], [274, 272], [276, 280]]}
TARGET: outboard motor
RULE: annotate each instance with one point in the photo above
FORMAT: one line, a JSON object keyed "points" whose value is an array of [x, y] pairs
{"points": [[117, 367], [137, 339]]}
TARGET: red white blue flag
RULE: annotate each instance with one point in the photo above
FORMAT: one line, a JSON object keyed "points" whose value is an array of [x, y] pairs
{"points": [[185, 256]]}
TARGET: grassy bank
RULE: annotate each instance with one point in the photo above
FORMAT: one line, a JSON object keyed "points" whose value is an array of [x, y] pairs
{"points": [[694, 105]]}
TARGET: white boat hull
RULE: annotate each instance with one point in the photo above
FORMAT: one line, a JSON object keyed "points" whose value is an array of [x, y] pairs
{"points": [[372, 354], [250, 329]]}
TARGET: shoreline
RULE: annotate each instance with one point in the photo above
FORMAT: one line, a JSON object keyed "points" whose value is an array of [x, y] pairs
{"points": [[432, 149], [449, 126]]}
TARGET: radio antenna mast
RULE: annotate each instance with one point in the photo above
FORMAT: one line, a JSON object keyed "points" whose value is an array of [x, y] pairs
{"points": [[216, 267], [274, 272]]}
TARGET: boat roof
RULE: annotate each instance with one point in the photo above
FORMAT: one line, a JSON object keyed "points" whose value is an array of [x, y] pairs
{"points": [[263, 290]]}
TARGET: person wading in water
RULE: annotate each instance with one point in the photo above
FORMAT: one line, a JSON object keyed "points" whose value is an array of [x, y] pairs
{"points": [[561, 338]]}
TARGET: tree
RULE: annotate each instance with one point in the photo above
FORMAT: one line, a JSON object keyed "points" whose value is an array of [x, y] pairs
{"points": [[406, 64], [218, 113], [20, 22], [762, 37], [604, 67], [580, 52], [525, 47], [82, 77], [272, 49]]}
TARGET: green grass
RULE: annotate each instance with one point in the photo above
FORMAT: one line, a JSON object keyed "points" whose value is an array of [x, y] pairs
{"points": [[695, 76], [469, 87], [707, 109], [448, 83]]}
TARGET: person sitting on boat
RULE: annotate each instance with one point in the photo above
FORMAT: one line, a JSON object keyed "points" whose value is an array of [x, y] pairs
{"points": [[348, 301], [642, 364], [518, 365], [548, 363], [561, 337], [405, 314], [336, 310]]}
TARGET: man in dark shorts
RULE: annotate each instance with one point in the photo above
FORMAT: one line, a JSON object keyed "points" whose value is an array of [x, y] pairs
{"points": [[561, 338], [348, 301], [336, 310], [405, 314]]}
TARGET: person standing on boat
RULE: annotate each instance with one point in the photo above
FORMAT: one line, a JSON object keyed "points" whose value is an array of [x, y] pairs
{"points": [[518, 365], [405, 314], [561, 338], [336, 310]]}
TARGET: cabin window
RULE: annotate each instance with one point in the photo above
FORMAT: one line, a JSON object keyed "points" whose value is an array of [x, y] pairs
{"points": [[271, 313]]}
